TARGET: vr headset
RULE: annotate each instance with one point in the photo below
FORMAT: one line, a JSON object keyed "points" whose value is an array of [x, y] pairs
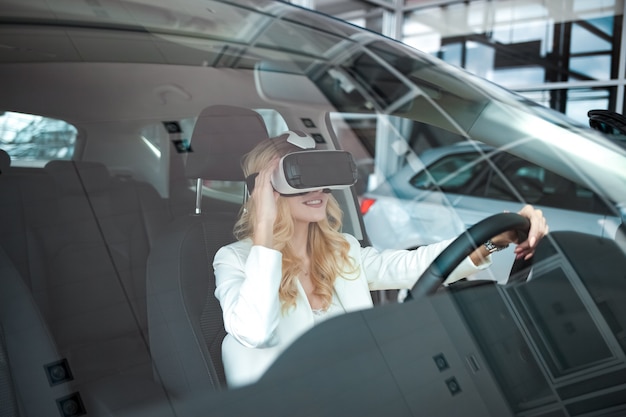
{"points": [[311, 170]]}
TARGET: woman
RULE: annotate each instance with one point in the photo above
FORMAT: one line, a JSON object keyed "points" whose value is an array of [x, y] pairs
{"points": [[292, 268]]}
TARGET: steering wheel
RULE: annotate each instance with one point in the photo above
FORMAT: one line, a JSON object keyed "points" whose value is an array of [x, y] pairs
{"points": [[462, 246]]}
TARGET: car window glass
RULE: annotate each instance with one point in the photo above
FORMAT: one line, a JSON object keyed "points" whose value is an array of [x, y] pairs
{"points": [[520, 180], [457, 170], [33, 140], [382, 145], [536, 185], [453, 173]]}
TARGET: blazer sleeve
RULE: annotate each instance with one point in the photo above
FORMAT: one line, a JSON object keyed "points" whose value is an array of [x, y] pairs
{"points": [[247, 284], [400, 269]]}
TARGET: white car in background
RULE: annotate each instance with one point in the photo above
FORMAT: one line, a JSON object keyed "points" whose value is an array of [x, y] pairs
{"points": [[453, 187]]}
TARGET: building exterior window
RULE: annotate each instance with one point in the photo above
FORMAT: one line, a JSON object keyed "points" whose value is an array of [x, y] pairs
{"points": [[564, 54]]}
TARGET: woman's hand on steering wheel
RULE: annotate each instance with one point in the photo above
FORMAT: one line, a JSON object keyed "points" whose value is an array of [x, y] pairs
{"points": [[538, 229], [526, 240], [528, 225]]}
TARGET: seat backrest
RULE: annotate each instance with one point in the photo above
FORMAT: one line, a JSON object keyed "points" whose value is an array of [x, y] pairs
{"points": [[184, 318], [97, 253], [28, 202], [28, 352], [27, 348]]}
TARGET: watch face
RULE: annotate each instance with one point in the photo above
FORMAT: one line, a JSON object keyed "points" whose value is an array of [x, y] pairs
{"points": [[491, 247]]}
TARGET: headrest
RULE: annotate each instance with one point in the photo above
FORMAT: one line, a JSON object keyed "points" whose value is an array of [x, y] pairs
{"points": [[5, 161], [221, 136], [94, 176]]}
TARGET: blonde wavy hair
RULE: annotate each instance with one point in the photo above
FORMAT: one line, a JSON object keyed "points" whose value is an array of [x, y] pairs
{"points": [[324, 237]]}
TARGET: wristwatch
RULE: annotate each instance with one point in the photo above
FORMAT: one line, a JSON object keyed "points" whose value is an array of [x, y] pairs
{"points": [[492, 247]]}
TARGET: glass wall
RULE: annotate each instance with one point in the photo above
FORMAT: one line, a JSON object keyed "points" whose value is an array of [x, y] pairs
{"points": [[565, 54]]}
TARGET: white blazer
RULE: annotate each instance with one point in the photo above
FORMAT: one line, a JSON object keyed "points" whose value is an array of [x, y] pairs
{"points": [[247, 284]]}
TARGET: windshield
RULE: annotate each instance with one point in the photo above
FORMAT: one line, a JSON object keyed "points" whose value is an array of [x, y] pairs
{"points": [[124, 131]]}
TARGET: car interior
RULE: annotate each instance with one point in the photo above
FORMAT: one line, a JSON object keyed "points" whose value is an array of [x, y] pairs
{"points": [[158, 331], [106, 278], [160, 323]]}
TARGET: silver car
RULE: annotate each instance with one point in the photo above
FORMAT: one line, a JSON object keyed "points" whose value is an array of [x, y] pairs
{"points": [[450, 188]]}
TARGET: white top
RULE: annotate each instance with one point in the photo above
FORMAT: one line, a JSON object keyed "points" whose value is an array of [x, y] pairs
{"points": [[334, 309], [247, 282]]}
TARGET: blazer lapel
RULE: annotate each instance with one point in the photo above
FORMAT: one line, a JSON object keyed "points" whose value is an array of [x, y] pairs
{"points": [[353, 292]]}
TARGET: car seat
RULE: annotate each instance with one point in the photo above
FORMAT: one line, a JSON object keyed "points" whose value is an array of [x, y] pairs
{"points": [[185, 322], [34, 377]]}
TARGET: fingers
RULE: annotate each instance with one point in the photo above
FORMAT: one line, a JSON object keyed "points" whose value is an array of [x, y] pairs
{"points": [[265, 198], [263, 183], [538, 229], [266, 195]]}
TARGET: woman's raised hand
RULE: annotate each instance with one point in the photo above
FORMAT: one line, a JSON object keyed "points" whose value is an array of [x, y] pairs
{"points": [[265, 202]]}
